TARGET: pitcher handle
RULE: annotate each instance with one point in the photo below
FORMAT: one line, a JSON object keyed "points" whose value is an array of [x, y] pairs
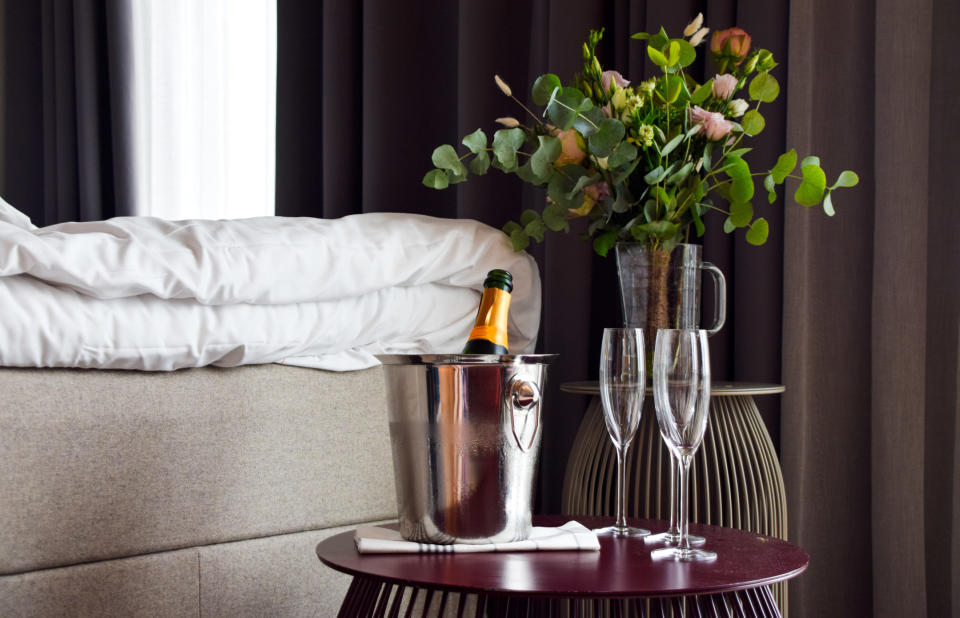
{"points": [[719, 297]]}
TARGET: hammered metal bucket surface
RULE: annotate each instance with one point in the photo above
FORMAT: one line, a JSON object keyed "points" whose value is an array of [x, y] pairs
{"points": [[465, 431]]}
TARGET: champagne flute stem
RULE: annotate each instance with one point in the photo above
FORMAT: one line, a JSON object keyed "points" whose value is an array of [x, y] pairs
{"points": [[621, 491], [674, 498], [684, 472]]}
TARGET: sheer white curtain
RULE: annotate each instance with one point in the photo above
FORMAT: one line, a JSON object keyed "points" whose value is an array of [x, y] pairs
{"points": [[204, 101]]}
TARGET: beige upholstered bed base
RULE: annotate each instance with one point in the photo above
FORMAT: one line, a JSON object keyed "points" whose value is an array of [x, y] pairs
{"points": [[198, 492]]}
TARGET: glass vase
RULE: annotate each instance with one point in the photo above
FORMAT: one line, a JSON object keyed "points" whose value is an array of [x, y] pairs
{"points": [[661, 289]]}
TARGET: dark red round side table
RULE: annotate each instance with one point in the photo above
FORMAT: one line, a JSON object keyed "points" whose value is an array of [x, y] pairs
{"points": [[620, 579]]}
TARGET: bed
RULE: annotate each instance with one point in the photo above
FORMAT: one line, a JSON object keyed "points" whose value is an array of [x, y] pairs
{"points": [[188, 408]]}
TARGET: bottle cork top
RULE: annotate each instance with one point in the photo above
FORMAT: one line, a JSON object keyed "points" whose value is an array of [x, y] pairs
{"points": [[498, 278]]}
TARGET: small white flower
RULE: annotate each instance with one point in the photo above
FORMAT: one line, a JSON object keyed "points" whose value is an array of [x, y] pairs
{"points": [[633, 102], [737, 108], [509, 122], [694, 25], [645, 135], [697, 38], [503, 86]]}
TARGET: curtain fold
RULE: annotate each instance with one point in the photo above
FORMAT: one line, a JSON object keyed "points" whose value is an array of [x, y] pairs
{"points": [[871, 309], [66, 114]]}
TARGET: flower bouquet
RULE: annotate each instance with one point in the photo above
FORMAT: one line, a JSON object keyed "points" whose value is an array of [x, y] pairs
{"points": [[644, 162]]}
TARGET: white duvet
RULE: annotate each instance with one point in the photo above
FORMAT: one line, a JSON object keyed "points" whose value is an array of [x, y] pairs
{"points": [[146, 293]]}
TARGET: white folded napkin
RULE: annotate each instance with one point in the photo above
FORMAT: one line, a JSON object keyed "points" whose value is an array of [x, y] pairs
{"points": [[570, 536]]}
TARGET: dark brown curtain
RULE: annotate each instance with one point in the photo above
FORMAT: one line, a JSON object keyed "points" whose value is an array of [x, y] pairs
{"points": [[66, 123], [872, 302], [857, 314]]}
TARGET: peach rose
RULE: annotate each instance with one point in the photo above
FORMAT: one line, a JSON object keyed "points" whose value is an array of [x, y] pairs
{"points": [[572, 152], [732, 42]]}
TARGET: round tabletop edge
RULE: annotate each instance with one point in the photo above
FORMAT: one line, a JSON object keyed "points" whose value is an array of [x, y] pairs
{"points": [[342, 546]]}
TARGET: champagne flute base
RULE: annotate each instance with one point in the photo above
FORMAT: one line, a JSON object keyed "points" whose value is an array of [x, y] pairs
{"points": [[673, 538], [683, 555], [626, 531]]}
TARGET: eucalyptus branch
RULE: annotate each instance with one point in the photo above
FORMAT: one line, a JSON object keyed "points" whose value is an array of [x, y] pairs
{"points": [[663, 108], [526, 109]]}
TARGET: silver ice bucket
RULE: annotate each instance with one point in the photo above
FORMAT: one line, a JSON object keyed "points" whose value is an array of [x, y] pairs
{"points": [[465, 430]]}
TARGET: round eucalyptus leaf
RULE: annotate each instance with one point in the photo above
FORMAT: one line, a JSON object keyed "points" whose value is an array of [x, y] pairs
{"points": [[535, 227], [520, 239], [541, 162], [436, 179], [476, 141], [785, 164], [564, 108], [741, 214], [811, 160], [758, 232], [555, 218], [828, 205], [764, 88], [445, 157], [506, 142], [604, 242], [587, 122], [811, 188], [480, 163], [606, 138], [624, 153], [753, 122], [544, 87], [846, 179]]}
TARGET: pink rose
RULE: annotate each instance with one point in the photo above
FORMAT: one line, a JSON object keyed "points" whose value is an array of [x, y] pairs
{"points": [[717, 127], [698, 114], [712, 124], [723, 86], [612, 76]]}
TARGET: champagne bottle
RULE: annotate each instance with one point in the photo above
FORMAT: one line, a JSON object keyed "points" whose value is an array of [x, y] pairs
{"points": [[489, 334]]}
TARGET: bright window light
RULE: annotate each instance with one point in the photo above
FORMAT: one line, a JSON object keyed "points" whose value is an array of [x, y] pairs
{"points": [[204, 108]]}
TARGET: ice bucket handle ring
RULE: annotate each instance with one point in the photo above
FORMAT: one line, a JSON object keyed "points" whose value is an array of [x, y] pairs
{"points": [[524, 403]]}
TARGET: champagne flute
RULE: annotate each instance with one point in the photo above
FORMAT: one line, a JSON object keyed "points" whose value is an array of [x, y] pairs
{"points": [[622, 386], [681, 395]]}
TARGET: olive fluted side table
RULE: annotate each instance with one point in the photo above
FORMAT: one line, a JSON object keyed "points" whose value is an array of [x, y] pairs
{"points": [[735, 479]]}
